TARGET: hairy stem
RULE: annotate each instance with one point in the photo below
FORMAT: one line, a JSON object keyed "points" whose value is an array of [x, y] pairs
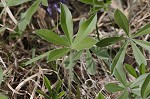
{"points": [[70, 73]]}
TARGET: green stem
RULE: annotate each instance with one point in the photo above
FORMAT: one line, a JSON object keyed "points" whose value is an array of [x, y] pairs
{"points": [[70, 73]]}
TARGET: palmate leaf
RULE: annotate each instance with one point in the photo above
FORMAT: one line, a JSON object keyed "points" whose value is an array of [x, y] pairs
{"points": [[139, 57], [52, 37], [145, 89], [119, 58], [113, 87], [142, 31], [86, 43], [67, 22], [122, 21], [108, 41], [85, 29], [57, 53]]}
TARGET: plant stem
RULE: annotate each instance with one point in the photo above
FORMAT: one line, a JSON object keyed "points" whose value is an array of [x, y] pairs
{"points": [[70, 73]]}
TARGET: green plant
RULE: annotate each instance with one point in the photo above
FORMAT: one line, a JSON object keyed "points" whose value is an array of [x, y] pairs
{"points": [[52, 93], [140, 86], [72, 47], [68, 43], [122, 21], [137, 88]]}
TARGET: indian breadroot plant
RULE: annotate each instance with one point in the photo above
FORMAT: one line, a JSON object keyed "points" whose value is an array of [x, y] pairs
{"points": [[139, 88], [69, 45]]}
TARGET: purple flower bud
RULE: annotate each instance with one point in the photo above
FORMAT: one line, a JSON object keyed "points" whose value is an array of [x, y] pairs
{"points": [[53, 5]]}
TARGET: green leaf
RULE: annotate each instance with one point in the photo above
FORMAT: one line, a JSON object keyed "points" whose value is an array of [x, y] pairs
{"points": [[90, 63], [145, 89], [113, 87], [1, 75], [26, 17], [124, 95], [139, 81], [139, 57], [142, 69], [122, 21], [3, 96], [131, 70], [37, 58], [86, 43], [48, 85], [50, 36], [66, 22], [57, 53], [119, 58], [85, 29], [109, 41], [44, 94], [100, 96], [120, 75], [143, 31], [143, 44], [17, 2]]}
